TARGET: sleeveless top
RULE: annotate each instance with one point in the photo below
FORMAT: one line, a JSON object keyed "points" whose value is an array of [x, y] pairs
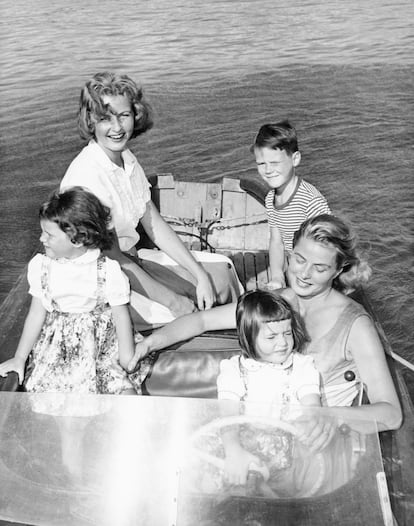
{"points": [[333, 358]]}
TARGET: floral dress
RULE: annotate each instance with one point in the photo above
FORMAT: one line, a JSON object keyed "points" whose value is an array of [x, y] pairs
{"points": [[76, 351]]}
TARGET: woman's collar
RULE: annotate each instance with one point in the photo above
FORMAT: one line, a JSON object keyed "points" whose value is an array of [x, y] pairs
{"points": [[127, 156]]}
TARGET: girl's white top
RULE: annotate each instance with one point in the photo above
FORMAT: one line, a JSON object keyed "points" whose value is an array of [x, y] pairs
{"points": [[73, 282], [267, 382], [125, 191]]}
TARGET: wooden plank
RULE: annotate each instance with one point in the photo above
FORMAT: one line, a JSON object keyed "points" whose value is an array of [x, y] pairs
{"points": [[233, 213], [231, 185], [211, 209], [13, 312], [250, 271], [257, 231], [262, 268], [238, 261]]}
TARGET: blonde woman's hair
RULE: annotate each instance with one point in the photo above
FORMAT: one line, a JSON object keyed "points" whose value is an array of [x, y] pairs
{"points": [[332, 231]]}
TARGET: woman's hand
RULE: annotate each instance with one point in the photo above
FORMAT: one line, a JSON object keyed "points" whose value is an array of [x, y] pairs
{"points": [[14, 364], [315, 430], [205, 293]]}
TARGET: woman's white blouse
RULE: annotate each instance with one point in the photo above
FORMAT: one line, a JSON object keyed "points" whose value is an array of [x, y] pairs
{"points": [[125, 191], [73, 282]]}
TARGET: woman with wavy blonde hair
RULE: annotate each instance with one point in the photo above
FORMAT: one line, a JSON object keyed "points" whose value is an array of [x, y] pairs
{"points": [[324, 266]]}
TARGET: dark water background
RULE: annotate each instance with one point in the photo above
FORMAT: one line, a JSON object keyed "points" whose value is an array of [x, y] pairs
{"points": [[214, 71]]}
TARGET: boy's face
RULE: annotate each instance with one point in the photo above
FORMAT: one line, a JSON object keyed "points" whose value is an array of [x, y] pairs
{"points": [[276, 167]]}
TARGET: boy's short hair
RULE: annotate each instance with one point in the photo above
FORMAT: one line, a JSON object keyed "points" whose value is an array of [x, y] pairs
{"points": [[111, 84], [278, 136]]}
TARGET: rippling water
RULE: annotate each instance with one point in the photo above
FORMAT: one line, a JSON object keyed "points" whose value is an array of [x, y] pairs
{"points": [[214, 71]]}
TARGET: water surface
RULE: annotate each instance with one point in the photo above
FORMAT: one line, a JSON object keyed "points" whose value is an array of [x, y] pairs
{"points": [[215, 71]]}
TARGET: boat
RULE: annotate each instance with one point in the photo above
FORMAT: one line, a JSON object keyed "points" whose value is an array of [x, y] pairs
{"points": [[362, 478]]}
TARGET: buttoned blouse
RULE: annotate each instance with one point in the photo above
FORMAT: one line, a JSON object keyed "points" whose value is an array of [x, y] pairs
{"points": [[126, 191], [73, 282]]}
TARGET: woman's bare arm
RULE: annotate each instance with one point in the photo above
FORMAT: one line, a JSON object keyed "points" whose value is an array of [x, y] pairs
{"points": [[124, 333], [184, 328], [368, 353]]}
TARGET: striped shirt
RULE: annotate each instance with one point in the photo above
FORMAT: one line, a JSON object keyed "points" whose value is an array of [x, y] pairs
{"points": [[305, 202]]}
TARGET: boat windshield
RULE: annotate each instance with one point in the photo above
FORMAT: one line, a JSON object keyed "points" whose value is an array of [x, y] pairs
{"points": [[127, 460]]}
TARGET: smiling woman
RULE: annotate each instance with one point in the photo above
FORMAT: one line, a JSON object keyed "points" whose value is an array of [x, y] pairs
{"points": [[343, 340], [324, 267], [112, 111], [114, 129]]}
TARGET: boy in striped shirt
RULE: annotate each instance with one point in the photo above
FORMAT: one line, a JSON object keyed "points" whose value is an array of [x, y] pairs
{"points": [[290, 199]]}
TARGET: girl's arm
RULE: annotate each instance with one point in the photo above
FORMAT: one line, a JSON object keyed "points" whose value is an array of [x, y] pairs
{"points": [[237, 461], [184, 328], [168, 241], [124, 333], [31, 330], [368, 353]]}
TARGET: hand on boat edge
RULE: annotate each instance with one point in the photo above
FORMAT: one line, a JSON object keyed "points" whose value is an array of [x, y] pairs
{"points": [[13, 365]]}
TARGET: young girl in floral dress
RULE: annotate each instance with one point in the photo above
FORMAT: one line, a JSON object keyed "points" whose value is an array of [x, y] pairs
{"points": [[78, 324]]}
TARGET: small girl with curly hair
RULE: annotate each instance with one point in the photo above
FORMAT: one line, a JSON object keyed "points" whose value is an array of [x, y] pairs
{"points": [[78, 324]]}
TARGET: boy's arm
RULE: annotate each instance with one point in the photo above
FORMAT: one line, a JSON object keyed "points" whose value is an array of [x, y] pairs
{"points": [[31, 330], [124, 333], [276, 258]]}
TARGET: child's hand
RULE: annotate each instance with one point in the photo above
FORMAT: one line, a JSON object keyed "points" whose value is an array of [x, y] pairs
{"points": [[142, 349], [237, 464], [14, 364], [276, 283]]}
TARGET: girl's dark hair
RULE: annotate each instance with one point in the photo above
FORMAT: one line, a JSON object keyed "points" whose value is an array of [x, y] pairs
{"points": [[333, 232], [91, 106], [278, 136], [81, 216], [262, 306]]}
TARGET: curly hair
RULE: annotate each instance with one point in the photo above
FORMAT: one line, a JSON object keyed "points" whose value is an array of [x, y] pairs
{"points": [[92, 107], [332, 231], [262, 306], [81, 216]]}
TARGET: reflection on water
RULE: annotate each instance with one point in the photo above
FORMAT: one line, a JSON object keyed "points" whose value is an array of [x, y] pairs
{"points": [[341, 71]]}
